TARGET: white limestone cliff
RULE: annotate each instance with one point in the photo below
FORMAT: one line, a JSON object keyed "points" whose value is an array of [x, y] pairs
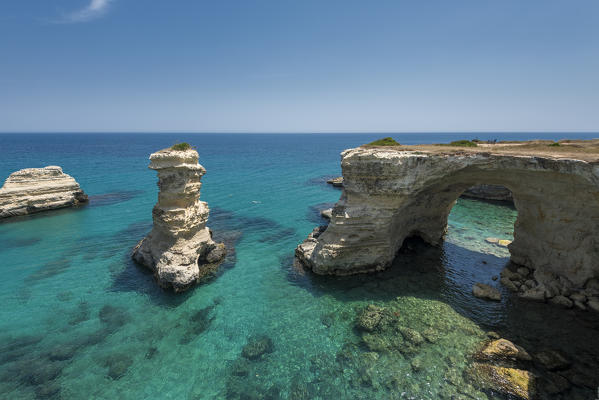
{"points": [[179, 249], [391, 194], [33, 190]]}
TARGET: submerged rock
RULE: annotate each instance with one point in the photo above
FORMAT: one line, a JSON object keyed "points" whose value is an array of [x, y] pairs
{"points": [[257, 346], [179, 249], [33, 190], [483, 291], [369, 319], [551, 360]]}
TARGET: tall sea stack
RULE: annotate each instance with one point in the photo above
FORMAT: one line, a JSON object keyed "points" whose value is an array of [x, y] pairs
{"points": [[179, 249]]}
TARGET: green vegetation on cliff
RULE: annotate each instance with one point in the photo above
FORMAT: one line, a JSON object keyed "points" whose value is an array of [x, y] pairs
{"points": [[388, 141], [463, 143], [181, 146]]}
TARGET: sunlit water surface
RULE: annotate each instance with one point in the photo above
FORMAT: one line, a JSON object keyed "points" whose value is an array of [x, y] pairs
{"points": [[79, 320]]}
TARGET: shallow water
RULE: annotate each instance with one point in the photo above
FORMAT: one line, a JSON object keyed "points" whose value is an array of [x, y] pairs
{"points": [[79, 320]]}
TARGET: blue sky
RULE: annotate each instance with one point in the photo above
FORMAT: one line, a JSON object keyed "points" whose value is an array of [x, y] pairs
{"points": [[299, 66]]}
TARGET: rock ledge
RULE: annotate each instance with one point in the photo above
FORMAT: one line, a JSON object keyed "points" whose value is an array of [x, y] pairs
{"points": [[33, 190]]}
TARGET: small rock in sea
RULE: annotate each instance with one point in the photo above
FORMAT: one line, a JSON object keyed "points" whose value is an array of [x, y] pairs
{"points": [[327, 214], [509, 284], [337, 182], [502, 349], [494, 277], [369, 319], [483, 291], [257, 346], [562, 301], [504, 242], [484, 262], [552, 360], [492, 240]]}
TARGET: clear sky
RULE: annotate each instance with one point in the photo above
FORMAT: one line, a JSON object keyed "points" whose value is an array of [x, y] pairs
{"points": [[299, 66]]}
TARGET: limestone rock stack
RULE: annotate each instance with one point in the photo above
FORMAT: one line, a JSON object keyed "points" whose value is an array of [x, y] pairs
{"points": [[33, 190], [179, 249]]}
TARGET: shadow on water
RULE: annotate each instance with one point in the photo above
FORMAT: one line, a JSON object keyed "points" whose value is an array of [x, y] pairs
{"points": [[128, 276], [112, 198], [322, 181], [313, 215]]}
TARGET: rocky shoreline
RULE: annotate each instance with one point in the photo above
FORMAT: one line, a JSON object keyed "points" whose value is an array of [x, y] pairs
{"points": [[390, 194], [179, 249], [34, 190]]}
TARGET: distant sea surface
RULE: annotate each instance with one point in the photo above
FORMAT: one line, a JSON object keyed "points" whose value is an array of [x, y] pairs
{"points": [[79, 320]]}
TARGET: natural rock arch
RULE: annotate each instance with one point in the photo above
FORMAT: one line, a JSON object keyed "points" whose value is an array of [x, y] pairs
{"points": [[392, 194]]}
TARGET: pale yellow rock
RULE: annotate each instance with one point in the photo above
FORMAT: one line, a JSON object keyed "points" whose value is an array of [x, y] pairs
{"points": [[390, 194], [179, 248], [33, 190], [504, 242]]}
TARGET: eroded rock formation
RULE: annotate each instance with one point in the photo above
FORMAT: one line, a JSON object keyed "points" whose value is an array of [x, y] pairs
{"points": [[179, 249], [390, 194], [33, 190]]}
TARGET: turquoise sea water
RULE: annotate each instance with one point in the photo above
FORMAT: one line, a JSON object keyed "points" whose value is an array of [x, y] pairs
{"points": [[79, 320]]}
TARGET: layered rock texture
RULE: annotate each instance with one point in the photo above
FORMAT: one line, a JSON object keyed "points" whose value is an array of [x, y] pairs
{"points": [[484, 192], [179, 249], [390, 194], [33, 190], [489, 192]]}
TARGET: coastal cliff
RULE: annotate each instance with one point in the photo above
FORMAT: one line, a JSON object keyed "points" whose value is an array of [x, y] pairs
{"points": [[483, 192], [179, 249], [33, 190], [390, 194]]}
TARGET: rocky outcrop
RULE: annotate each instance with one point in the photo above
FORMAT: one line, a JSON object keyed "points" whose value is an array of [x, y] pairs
{"points": [[391, 194], [32, 190], [483, 291], [337, 182], [540, 285], [179, 249]]}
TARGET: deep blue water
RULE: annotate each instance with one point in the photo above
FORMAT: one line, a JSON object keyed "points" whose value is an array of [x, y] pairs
{"points": [[79, 320]]}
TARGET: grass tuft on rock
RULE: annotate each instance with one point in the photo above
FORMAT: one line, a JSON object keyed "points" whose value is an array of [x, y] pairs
{"points": [[181, 146], [388, 141], [555, 144], [463, 143]]}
